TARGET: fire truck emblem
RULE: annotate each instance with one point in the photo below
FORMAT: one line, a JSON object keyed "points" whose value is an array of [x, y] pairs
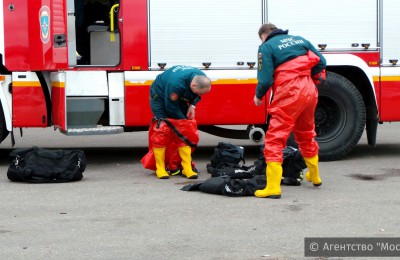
{"points": [[44, 19], [173, 96]]}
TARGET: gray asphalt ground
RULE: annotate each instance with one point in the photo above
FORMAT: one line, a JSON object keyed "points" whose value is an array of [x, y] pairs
{"points": [[121, 211]]}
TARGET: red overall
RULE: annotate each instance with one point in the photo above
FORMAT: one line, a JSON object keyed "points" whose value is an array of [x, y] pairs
{"points": [[295, 97], [164, 136]]}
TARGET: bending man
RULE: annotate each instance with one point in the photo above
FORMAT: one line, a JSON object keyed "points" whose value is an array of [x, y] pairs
{"points": [[174, 95]]}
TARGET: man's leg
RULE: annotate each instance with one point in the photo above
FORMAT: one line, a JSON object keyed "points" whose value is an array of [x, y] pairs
{"points": [[279, 128], [274, 178], [185, 153], [160, 139], [313, 172], [188, 128], [159, 155], [304, 133]]}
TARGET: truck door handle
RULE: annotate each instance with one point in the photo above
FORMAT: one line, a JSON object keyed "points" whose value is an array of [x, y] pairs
{"points": [[60, 40]]}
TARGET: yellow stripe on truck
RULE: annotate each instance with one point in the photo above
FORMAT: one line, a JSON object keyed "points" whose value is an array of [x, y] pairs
{"points": [[386, 78], [234, 81], [138, 83], [27, 84], [56, 84]]}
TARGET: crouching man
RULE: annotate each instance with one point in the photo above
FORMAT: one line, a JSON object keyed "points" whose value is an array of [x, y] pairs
{"points": [[174, 95]]}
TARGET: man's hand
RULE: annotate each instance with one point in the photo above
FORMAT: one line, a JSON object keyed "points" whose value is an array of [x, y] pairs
{"points": [[320, 78], [191, 112], [257, 102]]}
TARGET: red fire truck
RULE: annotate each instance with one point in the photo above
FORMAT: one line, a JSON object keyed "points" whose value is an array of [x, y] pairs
{"points": [[85, 66]]}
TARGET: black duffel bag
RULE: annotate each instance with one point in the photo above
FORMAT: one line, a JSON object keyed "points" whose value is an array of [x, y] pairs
{"points": [[38, 165]]}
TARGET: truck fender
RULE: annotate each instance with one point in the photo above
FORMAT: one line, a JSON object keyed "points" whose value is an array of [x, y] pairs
{"points": [[351, 60]]}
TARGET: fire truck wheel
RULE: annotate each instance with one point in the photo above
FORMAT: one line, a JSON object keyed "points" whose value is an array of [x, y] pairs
{"points": [[3, 129], [339, 118]]}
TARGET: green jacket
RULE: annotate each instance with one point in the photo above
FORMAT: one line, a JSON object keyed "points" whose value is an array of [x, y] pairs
{"points": [[171, 93], [280, 47]]}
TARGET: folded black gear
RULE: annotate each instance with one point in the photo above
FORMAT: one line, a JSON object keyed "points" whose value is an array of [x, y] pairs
{"points": [[243, 172], [227, 186]]}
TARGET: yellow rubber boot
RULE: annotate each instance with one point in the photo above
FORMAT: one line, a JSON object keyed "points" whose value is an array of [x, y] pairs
{"points": [[159, 155], [313, 173], [185, 154], [274, 178]]}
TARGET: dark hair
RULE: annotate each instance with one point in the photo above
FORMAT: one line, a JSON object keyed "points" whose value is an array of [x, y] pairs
{"points": [[266, 28]]}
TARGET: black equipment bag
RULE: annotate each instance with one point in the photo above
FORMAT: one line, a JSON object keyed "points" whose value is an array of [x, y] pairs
{"points": [[38, 165], [292, 166], [226, 154], [227, 186], [235, 180]]}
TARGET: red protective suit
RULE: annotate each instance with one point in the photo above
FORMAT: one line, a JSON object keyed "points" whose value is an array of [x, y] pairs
{"points": [[295, 97], [164, 136]]}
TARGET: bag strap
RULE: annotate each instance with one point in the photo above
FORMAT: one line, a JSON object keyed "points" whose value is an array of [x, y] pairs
{"points": [[179, 134]]}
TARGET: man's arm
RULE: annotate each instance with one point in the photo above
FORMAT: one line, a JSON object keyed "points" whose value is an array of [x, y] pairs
{"points": [[265, 73], [320, 67], [197, 100], [192, 108]]}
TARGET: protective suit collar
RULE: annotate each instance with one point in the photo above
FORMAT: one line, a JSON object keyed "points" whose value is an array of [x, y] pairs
{"points": [[277, 32]]}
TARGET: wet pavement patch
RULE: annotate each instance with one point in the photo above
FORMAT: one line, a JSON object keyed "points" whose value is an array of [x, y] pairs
{"points": [[295, 208], [366, 177], [376, 177]]}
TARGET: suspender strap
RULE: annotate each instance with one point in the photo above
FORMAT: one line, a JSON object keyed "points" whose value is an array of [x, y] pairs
{"points": [[179, 134]]}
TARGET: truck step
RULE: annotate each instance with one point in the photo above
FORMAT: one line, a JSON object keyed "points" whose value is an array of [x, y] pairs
{"points": [[100, 130]]}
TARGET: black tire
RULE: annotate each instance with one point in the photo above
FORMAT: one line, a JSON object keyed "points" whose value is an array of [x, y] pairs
{"points": [[3, 128], [339, 117]]}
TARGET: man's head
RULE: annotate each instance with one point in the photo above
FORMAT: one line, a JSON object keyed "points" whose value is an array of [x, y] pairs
{"points": [[200, 85], [265, 30]]}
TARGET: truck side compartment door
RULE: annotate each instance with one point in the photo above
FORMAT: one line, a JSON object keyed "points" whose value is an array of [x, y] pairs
{"points": [[35, 35], [28, 101]]}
